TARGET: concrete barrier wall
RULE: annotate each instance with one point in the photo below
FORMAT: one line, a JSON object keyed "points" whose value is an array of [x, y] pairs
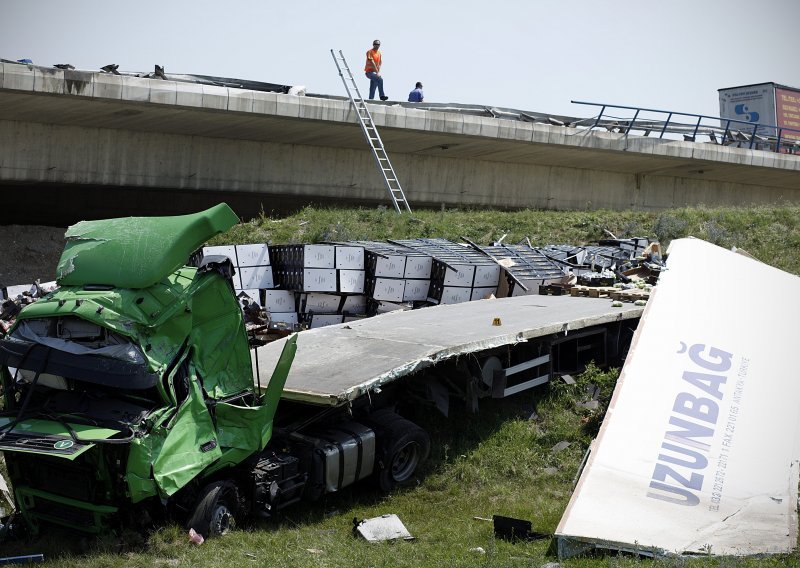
{"points": [[56, 154]]}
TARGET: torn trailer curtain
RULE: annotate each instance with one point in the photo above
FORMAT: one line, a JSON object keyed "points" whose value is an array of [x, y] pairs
{"points": [[698, 452]]}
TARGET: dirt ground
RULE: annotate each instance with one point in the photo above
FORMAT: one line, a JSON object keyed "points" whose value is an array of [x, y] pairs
{"points": [[28, 253]]}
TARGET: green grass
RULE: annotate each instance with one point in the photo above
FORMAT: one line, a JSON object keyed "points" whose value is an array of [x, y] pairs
{"points": [[500, 461]]}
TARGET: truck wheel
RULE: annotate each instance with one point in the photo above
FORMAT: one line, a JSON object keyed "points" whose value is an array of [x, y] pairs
{"points": [[406, 446], [216, 509]]}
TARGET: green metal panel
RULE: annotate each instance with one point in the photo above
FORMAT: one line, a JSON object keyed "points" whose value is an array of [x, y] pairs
{"points": [[136, 252]]}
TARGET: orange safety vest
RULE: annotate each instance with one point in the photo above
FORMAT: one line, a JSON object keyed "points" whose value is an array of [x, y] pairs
{"points": [[373, 61]]}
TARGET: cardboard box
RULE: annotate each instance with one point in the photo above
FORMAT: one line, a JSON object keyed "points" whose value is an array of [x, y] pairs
{"points": [[418, 267], [280, 300], [319, 280], [351, 281], [18, 290], [392, 266], [322, 320], [226, 250], [284, 317], [486, 275], [253, 295], [319, 256], [354, 305], [385, 307], [388, 289], [252, 255], [349, 258], [256, 277], [320, 303], [455, 295], [482, 293], [532, 284], [416, 290], [461, 275]]}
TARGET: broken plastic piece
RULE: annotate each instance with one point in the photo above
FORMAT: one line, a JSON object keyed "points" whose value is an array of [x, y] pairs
{"points": [[512, 529], [378, 529]]}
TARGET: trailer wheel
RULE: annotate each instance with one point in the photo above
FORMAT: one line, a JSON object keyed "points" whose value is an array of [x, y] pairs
{"points": [[406, 446], [216, 509]]}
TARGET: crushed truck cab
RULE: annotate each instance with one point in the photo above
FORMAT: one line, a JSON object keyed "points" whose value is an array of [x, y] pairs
{"points": [[132, 380]]}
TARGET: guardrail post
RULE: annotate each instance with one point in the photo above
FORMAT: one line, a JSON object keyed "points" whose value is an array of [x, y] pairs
{"points": [[666, 123], [727, 131], [696, 128]]}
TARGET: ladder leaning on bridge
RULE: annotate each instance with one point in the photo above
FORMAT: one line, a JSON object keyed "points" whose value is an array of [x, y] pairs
{"points": [[371, 134]]}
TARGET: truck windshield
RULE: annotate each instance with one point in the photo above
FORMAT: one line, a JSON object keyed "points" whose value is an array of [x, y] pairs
{"points": [[61, 350]]}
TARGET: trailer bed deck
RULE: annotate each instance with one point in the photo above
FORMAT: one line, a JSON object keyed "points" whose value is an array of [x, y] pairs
{"points": [[340, 363]]}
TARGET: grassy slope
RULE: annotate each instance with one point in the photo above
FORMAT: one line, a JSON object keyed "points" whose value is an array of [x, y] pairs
{"points": [[498, 462]]}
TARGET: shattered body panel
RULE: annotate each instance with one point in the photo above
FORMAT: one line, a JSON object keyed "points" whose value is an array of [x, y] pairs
{"points": [[699, 452]]}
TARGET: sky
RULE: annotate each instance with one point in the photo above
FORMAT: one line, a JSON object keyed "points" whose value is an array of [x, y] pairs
{"points": [[534, 55]]}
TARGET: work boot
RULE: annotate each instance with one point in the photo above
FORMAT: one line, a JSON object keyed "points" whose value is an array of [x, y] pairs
{"points": [[384, 98]]}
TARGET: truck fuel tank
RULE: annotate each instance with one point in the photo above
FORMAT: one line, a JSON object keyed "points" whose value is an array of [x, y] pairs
{"points": [[348, 452]]}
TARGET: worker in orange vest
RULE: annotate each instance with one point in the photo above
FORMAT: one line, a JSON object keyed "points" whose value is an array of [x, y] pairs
{"points": [[373, 71]]}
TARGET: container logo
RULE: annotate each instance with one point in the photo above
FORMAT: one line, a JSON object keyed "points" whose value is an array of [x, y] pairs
{"points": [[745, 112]]}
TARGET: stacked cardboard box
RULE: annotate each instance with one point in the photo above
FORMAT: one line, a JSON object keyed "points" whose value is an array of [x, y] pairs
{"points": [[458, 273], [397, 277], [253, 272], [327, 281]]}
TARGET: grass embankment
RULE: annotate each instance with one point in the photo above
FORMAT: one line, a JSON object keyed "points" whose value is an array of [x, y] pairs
{"points": [[500, 461]]}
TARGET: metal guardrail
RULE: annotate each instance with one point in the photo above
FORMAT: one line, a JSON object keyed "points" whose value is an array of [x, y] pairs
{"points": [[734, 132]]}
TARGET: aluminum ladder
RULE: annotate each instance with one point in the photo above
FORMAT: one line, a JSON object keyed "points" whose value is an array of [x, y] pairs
{"points": [[371, 134]]}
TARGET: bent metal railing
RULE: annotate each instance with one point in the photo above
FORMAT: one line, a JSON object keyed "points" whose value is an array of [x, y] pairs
{"points": [[734, 132]]}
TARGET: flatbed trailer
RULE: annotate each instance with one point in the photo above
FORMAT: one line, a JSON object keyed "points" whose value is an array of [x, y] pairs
{"points": [[338, 364], [130, 395]]}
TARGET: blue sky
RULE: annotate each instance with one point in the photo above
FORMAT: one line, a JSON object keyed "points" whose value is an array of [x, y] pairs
{"points": [[529, 55]]}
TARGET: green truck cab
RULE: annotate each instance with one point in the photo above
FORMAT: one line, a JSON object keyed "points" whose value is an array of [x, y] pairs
{"points": [[129, 394]]}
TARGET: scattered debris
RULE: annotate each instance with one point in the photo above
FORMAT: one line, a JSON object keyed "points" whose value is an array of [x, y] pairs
{"points": [[195, 537], [22, 559], [512, 529], [385, 527], [478, 550], [4, 491], [568, 379], [563, 445]]}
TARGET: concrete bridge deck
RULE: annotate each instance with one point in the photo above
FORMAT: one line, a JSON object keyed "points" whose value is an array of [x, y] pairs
{"points": [[70, 133]]}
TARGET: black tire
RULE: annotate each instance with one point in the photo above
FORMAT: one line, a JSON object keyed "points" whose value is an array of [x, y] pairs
{"points": [[216, 509], [404, 447]]}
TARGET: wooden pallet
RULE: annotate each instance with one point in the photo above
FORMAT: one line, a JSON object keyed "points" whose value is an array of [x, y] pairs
{"points": [[593, 291], [630, 295]]}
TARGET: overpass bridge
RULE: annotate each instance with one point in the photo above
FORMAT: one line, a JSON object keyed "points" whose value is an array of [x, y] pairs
{"points": [[80, 144]]}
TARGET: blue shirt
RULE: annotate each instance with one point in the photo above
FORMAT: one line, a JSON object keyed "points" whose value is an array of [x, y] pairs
{"points": [[415, 96]]}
